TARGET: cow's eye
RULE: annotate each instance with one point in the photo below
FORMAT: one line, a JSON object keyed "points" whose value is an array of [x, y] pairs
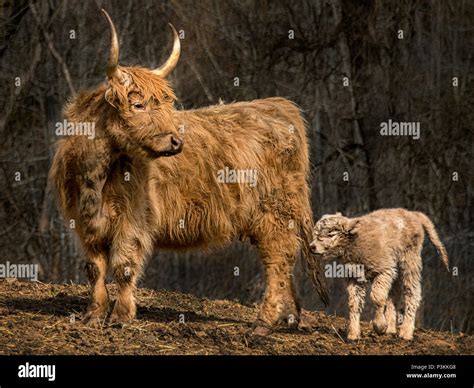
{"points": [[138, 106]]}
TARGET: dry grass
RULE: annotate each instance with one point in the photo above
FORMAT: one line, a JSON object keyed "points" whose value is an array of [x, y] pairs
{"points": [[35, 319]]}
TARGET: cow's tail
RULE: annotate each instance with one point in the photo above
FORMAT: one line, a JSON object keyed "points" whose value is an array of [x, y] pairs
{"points": [[312, 266]]}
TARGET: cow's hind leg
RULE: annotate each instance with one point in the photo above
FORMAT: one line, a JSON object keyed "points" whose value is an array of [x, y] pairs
{"points": [[96, 270], [278, 252]]}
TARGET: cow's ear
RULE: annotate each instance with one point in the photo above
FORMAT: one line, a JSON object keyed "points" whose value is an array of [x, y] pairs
{"points": [[109, 97]]}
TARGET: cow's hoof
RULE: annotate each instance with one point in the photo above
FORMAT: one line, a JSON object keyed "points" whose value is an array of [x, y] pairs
{"points": [[261, 331], [117, 324], [93, 320], [307, 321], [120, 321]]}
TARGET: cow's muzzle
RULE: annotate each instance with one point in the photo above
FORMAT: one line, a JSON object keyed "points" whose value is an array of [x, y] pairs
{"points": [[167, 145]]}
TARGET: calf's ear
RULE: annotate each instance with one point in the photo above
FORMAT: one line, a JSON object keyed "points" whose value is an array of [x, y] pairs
{"points": [[351, 226]]}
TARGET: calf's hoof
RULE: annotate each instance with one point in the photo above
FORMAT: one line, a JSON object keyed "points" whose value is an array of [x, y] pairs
{"points": [[380, 327], [353, 336], [406, 334], [391, 330]]}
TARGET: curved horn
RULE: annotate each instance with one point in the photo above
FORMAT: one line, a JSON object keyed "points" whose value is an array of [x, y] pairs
{"points": [[171, 62], [112, 64]]}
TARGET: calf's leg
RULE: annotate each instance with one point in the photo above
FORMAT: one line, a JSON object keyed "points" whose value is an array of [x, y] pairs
{"points": [[356, 292], [392, 308], [379, 295], [411, 277]]}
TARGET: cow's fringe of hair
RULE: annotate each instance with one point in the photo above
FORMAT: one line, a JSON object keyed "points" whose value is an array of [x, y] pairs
{"points": [[144, 82]]}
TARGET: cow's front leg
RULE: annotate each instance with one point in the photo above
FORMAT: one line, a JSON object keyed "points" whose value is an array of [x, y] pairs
{"points": [[127, 264]]}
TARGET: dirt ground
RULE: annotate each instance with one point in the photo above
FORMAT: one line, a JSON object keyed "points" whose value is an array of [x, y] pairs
{"points": [[45, 319]]}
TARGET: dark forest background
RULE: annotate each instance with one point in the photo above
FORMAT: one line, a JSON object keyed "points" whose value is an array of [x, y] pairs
{"points": [[51, 49]]}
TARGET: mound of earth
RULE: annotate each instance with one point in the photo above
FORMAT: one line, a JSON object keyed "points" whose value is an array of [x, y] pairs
{"points": [[37, 318]]}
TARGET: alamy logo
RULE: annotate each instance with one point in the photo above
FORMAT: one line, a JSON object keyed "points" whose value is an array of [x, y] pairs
{"points": [[402, 128], [37, 371], [70, 128], [22, 271], [335, 270], [229, 175]]}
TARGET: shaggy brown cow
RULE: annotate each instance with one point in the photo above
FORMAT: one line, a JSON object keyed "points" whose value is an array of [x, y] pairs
{"points": [[156, 177]]}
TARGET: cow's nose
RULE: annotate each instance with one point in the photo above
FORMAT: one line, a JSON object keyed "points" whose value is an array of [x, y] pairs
{"points": [[176, 144], [312, 247]]}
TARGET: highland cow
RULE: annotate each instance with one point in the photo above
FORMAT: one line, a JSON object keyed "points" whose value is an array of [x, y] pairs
{"points": [[387, 243], [151, 178]]}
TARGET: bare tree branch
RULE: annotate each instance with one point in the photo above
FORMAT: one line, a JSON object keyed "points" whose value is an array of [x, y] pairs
{"points": [[53, 50]]}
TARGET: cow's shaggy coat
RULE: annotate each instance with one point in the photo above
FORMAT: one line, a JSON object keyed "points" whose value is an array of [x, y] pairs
{"points": [[150, 179]]}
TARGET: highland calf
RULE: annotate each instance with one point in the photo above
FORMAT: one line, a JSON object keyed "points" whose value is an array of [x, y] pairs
{"points": [[387, 244], [151, 178]]}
